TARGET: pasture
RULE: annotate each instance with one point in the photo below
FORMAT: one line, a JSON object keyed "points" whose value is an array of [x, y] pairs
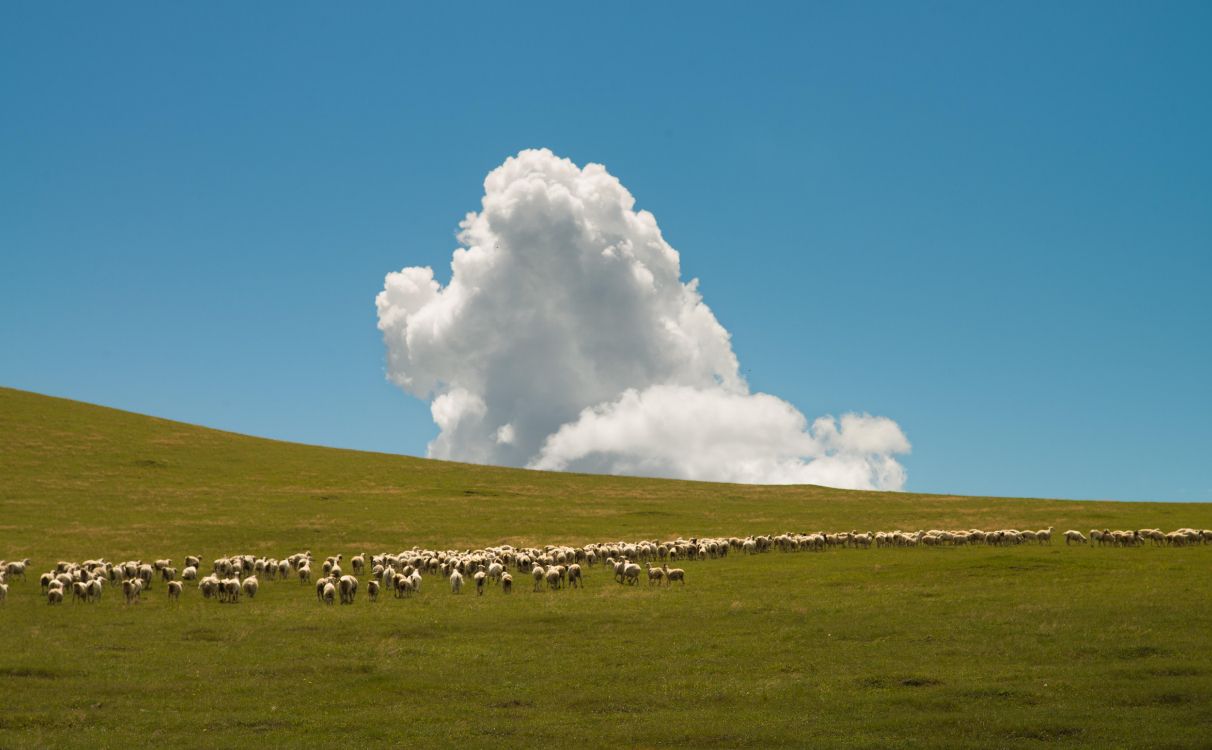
{"points": [[1032, 646]]}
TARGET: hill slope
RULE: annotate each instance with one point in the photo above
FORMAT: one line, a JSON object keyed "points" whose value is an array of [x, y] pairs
{"points": [[66, 466], [956, 647]]}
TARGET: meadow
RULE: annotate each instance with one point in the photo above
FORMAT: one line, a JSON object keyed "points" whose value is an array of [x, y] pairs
{"points": [[1028, 646]]}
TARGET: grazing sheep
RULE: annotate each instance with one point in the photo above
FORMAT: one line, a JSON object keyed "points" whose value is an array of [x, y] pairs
{"points": [[251, 585], [372, 590], [16, 569], [507, 583], [329, 593], [174, 591], [456, 581], [674, 574], [1045, 536], [189, 574], [1074, 537]]}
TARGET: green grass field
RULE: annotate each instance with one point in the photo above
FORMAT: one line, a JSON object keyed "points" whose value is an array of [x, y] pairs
{"points": [[947, 647]]}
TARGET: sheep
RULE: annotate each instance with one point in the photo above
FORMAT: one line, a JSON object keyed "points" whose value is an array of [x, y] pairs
{"points": [[537, 573], [358, 563], [348, 587], [16, 568], [146, 573], [209, 586], [574, 576], [130, 590], [79, 591], [251, 585], [495, 571], [631, 573], [1074, 537], [328, 593], [403, 586], [480, 579], [305, 574], [53, 596], [44, 581], [372, 590], [674, 574], [655, 575], [4, 592], [174, 591], [230, 590], [554, 576], [506, 583], [1045, 536], [456, 581]]}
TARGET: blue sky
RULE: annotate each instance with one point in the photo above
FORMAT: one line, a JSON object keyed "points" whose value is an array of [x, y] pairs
{"points": [[992, 224]]}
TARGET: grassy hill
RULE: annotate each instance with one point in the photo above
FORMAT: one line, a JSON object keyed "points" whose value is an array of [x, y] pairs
{"points": [[954, 647]]}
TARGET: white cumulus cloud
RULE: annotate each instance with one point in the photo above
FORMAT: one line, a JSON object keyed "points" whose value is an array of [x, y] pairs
{"points": [[567, 340]]}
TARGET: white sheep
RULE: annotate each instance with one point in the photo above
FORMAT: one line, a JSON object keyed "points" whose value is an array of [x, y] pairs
{"points": [[480, 578], [1073, 536], [3, 592], [674, 574], [574, 576], [174, 590], [328, 593], [53, 596], [456, 581], [348, 586], [372, 590], [506, 583], [655, 575], [631, 572], [251, 585], [537, 573]]}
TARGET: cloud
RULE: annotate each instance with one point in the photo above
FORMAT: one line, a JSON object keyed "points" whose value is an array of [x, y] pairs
{"points": [[567, 340]]}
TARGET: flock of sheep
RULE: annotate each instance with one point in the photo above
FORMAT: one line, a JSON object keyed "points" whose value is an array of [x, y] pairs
{"points": [[551, 567]]}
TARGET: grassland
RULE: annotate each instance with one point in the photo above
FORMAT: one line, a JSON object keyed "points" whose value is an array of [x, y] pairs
{"points": [[966, 647]]}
